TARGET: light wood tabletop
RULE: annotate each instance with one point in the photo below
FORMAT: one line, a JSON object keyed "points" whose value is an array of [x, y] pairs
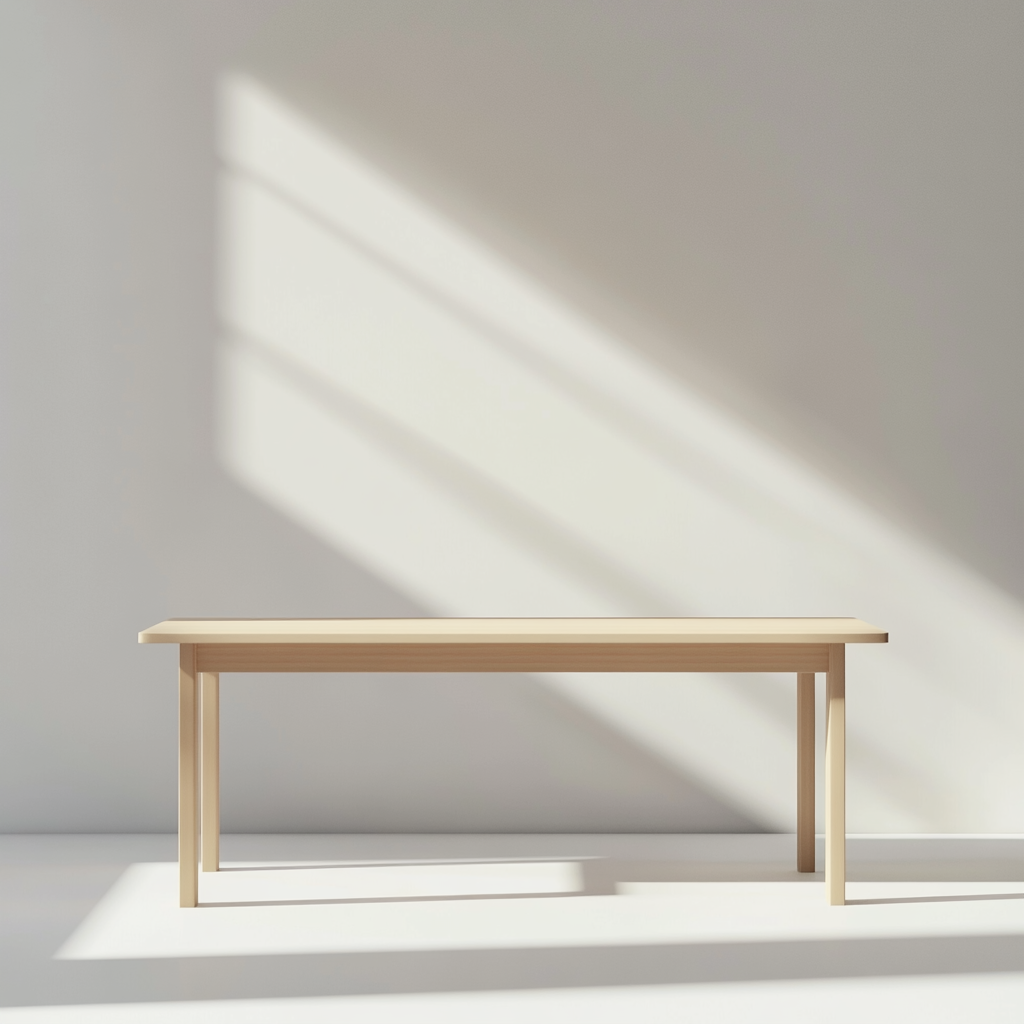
{"points": [[557, 631], [804, 646]]}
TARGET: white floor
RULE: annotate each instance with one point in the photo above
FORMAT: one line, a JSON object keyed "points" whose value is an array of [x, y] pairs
{"points": [[509, 928]]}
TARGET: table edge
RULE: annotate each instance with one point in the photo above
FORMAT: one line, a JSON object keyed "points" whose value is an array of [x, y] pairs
{"points": [[468, 640]]}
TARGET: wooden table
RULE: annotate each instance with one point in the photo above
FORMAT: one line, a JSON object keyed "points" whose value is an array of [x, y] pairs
{"points": [[209, 647]]}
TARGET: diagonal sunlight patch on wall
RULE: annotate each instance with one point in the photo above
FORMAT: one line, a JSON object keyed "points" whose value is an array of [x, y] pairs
{"points": [[428, 410]]}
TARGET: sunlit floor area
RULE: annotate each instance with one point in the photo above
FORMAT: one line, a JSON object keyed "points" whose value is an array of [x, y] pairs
{"points": [[511, 927]]}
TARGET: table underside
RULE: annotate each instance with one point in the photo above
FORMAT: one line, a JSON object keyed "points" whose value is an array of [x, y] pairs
{"points": [[512, 657]]}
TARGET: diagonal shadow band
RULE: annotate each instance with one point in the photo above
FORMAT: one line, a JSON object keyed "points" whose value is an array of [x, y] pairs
{"points": [[341, 974], [487, 497], [972, 898], [446, 898], [531, 526], [673, 453]]}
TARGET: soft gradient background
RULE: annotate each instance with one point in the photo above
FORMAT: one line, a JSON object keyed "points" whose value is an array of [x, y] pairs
{"points": [[468, 307]]}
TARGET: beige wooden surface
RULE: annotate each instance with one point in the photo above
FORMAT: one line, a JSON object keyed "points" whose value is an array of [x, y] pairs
{"points": [[835, 777], [512, 657], [188, 777], [210, 759], [506, 631], [805, 771]]}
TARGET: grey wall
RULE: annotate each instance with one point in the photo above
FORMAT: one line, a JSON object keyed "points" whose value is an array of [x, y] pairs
{"points": [[809, 214]]}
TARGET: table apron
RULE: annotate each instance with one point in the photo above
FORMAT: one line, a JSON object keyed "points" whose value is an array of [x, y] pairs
{"points": [[511, 657]]}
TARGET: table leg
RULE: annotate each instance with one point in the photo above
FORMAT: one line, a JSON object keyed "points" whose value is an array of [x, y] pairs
{"points": [[835, 777], [805, 771], [210, 688], [188, 789]]}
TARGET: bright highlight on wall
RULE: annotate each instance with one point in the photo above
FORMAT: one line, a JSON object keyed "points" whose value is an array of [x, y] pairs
{"points": [[423, 407]]}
